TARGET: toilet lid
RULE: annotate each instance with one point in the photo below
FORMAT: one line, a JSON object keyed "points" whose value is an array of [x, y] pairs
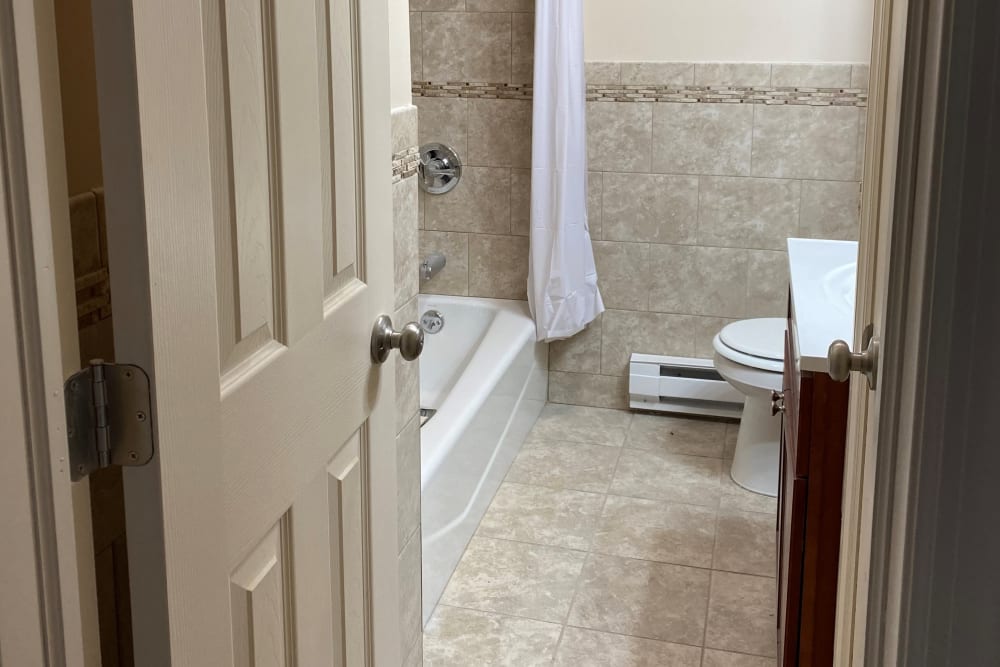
{"points": [[763, 337]]}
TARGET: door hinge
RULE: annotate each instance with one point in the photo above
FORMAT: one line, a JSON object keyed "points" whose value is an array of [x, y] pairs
{"points": [[108, 418]]}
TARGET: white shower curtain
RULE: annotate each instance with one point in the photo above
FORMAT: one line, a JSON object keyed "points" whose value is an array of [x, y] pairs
{"points": [[562, 279]]}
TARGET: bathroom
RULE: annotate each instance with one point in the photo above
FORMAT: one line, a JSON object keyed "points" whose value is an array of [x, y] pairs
{"points": [[565, 515]]}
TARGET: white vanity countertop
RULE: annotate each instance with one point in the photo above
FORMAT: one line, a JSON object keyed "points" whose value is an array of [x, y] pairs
{"points": [[823, 277]]}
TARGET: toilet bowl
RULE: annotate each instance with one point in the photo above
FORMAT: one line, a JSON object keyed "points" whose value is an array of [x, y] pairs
{"points": [[749, 356]]}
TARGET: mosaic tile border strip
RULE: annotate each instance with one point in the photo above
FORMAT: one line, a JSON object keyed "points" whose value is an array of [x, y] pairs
{"points": [[405, 163], [800, 96]]}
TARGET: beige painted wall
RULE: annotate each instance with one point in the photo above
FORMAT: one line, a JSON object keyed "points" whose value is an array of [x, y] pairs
{"points": [[730, 30], [399, 53]]}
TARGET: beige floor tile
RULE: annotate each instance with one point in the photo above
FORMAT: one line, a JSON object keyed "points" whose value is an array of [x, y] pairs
{"points": [[656, 530], [676, 477], [526, 580], [541, 515], [589, 648], [565, 465], [741, 614], [676, 435], [745, 542], [574, 423], [642, 598], [735, 497], [462, 637], [714, 658]]}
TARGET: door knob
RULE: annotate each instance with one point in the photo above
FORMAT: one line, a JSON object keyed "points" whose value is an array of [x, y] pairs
{"points": [[843, 361], [777, 402], [409, 341]]}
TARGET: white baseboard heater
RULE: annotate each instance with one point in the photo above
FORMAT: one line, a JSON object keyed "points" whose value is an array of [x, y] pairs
{"points": [[681, 385]]}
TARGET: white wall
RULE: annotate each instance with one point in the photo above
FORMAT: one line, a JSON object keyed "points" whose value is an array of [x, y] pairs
{"points": [[728, 30], [399, 53]]}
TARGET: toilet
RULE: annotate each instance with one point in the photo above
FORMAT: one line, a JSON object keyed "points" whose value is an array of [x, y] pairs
{"points": [[749, 356]]}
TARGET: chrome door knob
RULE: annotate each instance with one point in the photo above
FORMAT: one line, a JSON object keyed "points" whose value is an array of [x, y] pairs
{"points": [[409, 341], [777, 403], [843, 361]]}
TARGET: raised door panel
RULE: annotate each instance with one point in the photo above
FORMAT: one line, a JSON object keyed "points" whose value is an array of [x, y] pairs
{"points": [[260, 594]]}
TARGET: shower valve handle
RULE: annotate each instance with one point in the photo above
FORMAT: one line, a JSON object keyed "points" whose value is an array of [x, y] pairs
{"points": [[409, 340]]}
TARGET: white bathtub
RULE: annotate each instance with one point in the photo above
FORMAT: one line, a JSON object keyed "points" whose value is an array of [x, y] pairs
{"points": [[487, 379]]}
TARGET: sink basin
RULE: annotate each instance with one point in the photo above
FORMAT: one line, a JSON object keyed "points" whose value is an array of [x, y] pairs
{"points": [[840, 287]]}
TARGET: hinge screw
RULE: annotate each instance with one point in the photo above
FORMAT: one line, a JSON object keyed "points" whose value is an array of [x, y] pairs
{"points": [[70, 433], [128, 375], [81, 469], [132, 456], [141, 416]]}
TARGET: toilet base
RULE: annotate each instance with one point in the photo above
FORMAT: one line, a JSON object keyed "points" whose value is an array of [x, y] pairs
{"points": [[758, 446]]}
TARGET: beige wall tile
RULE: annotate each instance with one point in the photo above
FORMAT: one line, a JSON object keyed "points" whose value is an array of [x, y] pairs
{"points": [[599, 391], [859, 164], [480, 203], [741, 612], [522, 57], [498, 266], [805, 142], [581, 647], [499, 133], [655, 208], [702, 138], [830, 210], [84, 227], [747, 212], [811, 75], [635, 597], [767, 284], [579, 354], [416, 47], [407, 373], [405, 242], [500, 5], [404, 128], [618, 136], [698, 280], [466, 46], [454, 278], [437, 5], [598, 72], [520, 202], [444, 120], [859, 75], [408, 482], [732, 74], [658, 74], [704, 330], [595, 207], [457, 636], [410, 625], [625, 332], [623, 274]]}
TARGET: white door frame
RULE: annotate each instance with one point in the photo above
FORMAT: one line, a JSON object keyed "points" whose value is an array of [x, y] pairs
{"points": [[901, 500], [49, 615]]}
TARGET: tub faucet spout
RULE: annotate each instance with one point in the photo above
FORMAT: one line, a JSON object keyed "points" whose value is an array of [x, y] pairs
{"points": [[431, 266]]}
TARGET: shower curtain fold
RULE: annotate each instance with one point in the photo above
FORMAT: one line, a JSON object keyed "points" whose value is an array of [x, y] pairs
{"points": [[562, 278]]}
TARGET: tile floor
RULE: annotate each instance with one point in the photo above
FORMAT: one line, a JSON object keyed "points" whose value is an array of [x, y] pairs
{"points": [[616, 540]]}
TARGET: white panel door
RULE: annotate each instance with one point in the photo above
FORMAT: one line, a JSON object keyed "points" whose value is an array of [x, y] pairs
{"points": [[249, 223]]}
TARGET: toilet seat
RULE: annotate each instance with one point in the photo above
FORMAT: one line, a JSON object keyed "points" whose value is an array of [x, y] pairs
{"points": [[757, 343]]}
